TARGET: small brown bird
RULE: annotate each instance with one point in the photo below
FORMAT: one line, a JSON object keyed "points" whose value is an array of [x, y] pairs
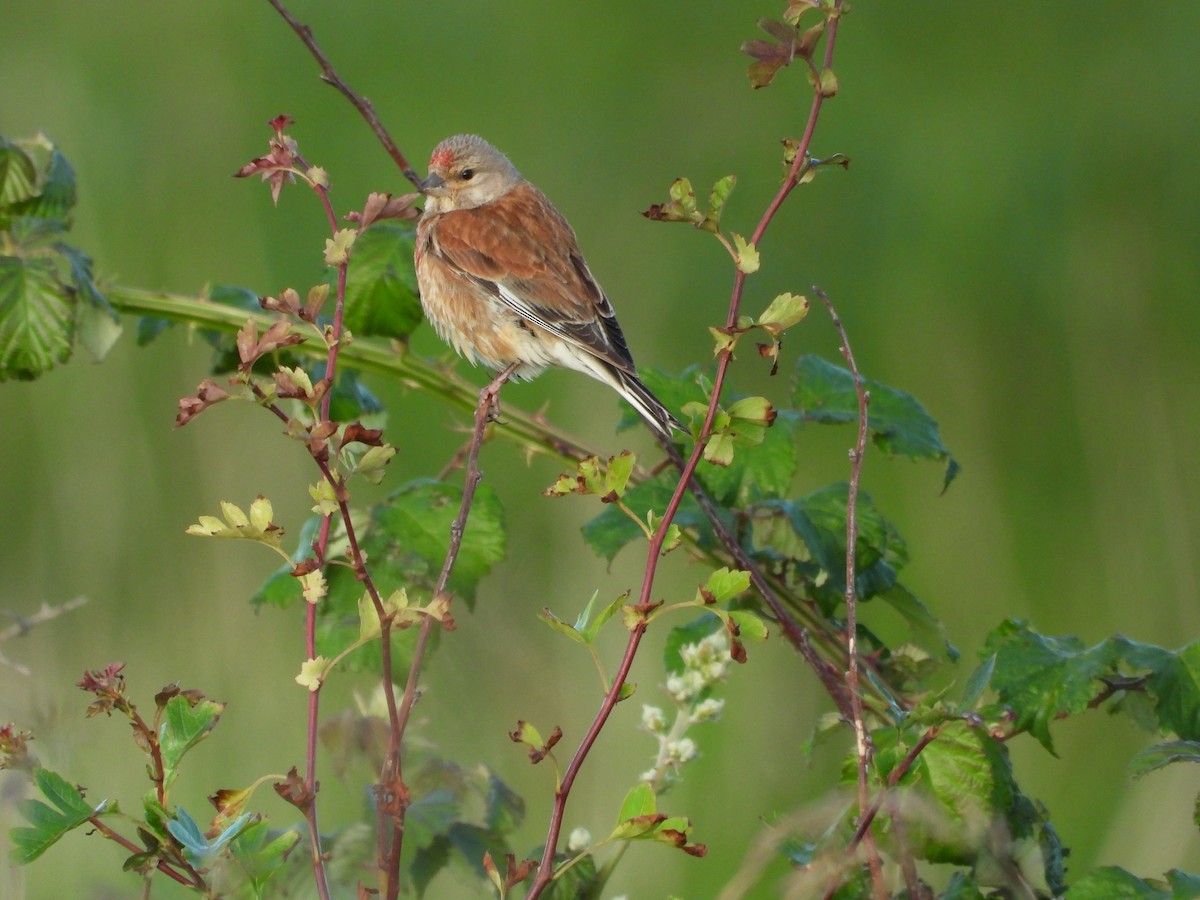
{"points": [[502, 278]]}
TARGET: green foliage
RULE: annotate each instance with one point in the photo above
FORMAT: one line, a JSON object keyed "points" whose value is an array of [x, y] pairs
{"points": [[49, 823], [41, 276], [900, 426], [1042, 679], [405, 537]]}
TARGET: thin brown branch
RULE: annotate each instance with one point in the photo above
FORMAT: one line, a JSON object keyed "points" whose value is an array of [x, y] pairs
{"points": [[364, 106], [24, 624], [862, 743]]}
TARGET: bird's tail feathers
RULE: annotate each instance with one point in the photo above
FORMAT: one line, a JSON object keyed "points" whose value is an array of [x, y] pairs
{"points": [[642, 399]]}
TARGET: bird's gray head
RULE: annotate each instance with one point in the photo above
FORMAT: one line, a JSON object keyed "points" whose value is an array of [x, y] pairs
{"points": [[465, 171]]}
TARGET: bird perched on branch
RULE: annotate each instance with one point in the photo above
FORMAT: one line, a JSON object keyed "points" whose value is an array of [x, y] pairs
{"points": [[503, 281]]}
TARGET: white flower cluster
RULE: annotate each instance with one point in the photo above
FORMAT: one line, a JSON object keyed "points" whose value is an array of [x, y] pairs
{"points": [[704, 664]]}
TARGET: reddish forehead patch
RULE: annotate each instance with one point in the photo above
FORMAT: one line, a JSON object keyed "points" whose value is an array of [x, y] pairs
{"points": [[442, 158]]}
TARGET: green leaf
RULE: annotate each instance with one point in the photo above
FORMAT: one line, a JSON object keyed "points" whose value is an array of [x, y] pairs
{"points": [[819, 521], [1174, 682], [1115, 883], [184, 725], [1042, 678], [563, 628], [259, 854], [965, 777], [381, 286], [414, 525], [745, 254], [725, 584], [430, 816], [610, 531], [927, 631], [18, 174], [37, 318], [756, 472], [750, 626], [639, 801], [978, 682], [783, 312], [50, 823], [1160, 755], [899, 424]]}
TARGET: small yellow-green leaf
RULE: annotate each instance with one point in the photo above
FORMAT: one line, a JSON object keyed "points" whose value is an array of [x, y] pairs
{"points": [[750, 626], [752, 409], [783, 312], [326, 498], [234, 515], [312, 672], [313, 586], [261, 513], [561, 627], [723, 340], [373, 464], [746, 255], [337, 248], [369, 627], [829, 83], [317, 176], [719, 449], [620, 467]]}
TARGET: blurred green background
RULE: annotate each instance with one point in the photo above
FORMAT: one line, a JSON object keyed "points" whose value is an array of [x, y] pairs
{"points": [[1015, 242]]}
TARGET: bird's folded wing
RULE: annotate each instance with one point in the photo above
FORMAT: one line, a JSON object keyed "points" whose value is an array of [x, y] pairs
{"points": [[521, 250]]}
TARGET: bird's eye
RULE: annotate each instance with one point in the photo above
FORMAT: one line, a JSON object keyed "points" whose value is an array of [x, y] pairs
{"points": [[466, 174]]}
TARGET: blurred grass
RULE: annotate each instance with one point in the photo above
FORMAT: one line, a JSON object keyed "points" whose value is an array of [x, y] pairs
{"points": [[1014, 242]]}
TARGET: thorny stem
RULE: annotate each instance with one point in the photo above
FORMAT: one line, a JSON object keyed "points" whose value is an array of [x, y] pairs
{"points": [[488, 400], [862, 744]]}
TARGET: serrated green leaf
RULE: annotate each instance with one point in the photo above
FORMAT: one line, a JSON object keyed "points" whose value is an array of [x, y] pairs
{"points": [[966, 777], [184, 725], [259, 854], [1174, 682], [416, 522], [37, 318], [899, 424], [1042, 678], [50, 823], [745, 254], [819, 521], [381, 286]]}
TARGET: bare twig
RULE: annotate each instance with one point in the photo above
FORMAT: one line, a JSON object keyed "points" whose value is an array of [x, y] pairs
{"points": [[862, 743], [364, 106], [24, 624]]}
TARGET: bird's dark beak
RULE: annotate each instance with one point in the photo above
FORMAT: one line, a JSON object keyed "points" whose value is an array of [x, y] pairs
{"points": [[433, 184]]}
